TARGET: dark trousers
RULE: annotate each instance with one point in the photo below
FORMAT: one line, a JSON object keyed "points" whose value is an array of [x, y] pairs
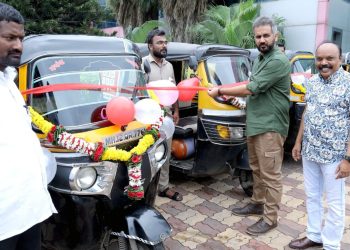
{"points": [[28, 240]]}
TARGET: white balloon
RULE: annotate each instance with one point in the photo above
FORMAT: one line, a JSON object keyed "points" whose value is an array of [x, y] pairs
{"points": [[168, 127], [50, 164], [147, 111]]}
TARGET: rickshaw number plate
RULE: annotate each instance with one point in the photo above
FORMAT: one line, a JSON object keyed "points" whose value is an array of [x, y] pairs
{"points": [[123, 137]]}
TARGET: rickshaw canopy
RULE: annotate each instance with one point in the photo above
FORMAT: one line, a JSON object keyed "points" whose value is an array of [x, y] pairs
{"points": [[182, 51], [36, 46]]}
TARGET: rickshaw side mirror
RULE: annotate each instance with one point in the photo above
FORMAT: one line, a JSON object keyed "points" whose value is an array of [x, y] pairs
{"points": [[146, 67], [192, 63]]}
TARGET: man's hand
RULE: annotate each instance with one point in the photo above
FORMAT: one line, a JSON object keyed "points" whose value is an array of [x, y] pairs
{"points": [[296, 151], [343, 170], [213, 92]]}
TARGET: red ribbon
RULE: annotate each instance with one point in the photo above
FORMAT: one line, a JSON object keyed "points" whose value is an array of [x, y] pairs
{"points": [[82, 86]]}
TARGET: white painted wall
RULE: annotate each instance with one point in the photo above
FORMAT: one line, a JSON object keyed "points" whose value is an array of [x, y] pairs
{"points": [[300, 24], [339, 17]]}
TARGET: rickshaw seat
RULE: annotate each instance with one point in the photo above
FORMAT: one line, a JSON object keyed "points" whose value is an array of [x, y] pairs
{"points": [[186, 127]]}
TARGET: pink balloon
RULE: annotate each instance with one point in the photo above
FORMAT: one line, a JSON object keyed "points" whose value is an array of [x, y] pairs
{"points": [[165, 97], [187, 95], [120, 110]]}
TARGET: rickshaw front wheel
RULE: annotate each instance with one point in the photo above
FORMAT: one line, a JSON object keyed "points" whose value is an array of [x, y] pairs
{"points": [[246, 181]]}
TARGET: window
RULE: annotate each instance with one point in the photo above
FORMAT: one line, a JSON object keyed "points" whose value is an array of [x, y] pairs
{"points": [[337, 36]]}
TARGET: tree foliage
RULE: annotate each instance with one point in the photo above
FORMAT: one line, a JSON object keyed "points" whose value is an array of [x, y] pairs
{"points": [[228, 25], [60, 17], [139, 34]]}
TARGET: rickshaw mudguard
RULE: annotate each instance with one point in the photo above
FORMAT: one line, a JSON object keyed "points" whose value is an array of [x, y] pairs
{"points": [[242, 160], [147, 223]]}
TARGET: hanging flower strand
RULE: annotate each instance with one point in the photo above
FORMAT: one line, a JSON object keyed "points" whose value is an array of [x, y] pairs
{"points": [[57, 135]]}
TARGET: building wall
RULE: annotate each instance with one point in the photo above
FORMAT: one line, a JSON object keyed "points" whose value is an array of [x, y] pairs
{"points": [[301, 21], [339, 19]]}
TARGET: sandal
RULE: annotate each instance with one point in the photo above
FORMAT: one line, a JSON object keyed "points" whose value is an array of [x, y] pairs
{"points": [[176, 196]]}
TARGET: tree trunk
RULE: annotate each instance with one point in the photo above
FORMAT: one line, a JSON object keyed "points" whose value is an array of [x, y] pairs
{"points": [[133, 13], [180, 15]]}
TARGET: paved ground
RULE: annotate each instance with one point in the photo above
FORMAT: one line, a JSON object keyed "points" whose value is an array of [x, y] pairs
{"points": [[203, 220]]}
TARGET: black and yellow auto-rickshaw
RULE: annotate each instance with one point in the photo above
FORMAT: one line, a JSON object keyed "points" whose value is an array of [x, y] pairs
{"points": [[94, 210], [302, 62], [302, 66], [210, 137]]}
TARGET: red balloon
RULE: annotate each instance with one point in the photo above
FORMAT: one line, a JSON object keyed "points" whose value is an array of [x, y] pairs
{"points": [[187, 95], [120, 110]]}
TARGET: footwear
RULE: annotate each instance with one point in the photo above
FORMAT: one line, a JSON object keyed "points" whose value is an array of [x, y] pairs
{"points": [[304, 243], [249, 209], [176, 196], [260, 227]]}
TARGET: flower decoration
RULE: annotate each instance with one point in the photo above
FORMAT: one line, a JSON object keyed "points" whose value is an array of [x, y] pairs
{"points": [[57, 135]]}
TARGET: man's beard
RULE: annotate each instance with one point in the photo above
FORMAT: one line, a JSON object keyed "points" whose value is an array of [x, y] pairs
{"points": [[12, 59], [160, 54], [267, 48]]}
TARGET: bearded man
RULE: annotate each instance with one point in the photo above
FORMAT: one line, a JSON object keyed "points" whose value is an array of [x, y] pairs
{"points": [[267, 125]]}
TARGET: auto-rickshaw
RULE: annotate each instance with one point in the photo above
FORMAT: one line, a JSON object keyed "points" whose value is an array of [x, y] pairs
{"points": [[210, 136], [94, 211], [346, 61], [303, 63]]}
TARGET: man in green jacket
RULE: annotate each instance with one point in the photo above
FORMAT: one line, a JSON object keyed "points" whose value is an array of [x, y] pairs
{"points": [[267, 125]]}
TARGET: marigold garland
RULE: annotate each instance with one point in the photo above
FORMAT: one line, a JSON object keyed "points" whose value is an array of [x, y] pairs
{"points": [[57, 135]]}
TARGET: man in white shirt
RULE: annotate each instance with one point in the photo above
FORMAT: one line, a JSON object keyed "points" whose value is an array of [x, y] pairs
{"points": [[24, 199]]}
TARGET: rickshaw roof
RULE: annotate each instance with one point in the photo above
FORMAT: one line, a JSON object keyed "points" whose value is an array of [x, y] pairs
{"points": [[35, 46], [289, 53], [179, 51]]}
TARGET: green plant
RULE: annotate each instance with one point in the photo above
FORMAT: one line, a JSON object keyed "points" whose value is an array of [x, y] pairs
{"points": [[228, 25]]}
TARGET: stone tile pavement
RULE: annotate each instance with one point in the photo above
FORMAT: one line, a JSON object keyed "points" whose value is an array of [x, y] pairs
{"points": [[203, 219]]}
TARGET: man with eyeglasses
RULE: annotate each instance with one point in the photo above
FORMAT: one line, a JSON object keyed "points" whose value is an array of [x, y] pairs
{"points": [[161, 69]]}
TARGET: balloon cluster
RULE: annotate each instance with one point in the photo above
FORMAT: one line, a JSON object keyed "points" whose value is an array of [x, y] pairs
{"points": [[121, 110]]}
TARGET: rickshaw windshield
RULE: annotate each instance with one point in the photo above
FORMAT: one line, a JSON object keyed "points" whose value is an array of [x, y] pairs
{"points": [[227, 69], [83, 107], [304, 66]]}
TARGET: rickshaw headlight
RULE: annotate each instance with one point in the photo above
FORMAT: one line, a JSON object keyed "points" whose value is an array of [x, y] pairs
{"points": [[230, 132], [236, 132], [159, 153], [86, 177], [223, 131]]}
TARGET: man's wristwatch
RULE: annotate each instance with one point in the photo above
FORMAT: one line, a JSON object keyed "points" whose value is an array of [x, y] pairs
{"points": [[347, 158]]}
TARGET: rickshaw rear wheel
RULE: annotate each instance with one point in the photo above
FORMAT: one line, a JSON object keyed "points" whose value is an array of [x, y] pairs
{"points": [[246, 181]]}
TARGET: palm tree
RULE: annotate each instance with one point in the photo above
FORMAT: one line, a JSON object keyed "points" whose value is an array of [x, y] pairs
{"points": [[133, 13], [181, 15], [228, 25]]}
